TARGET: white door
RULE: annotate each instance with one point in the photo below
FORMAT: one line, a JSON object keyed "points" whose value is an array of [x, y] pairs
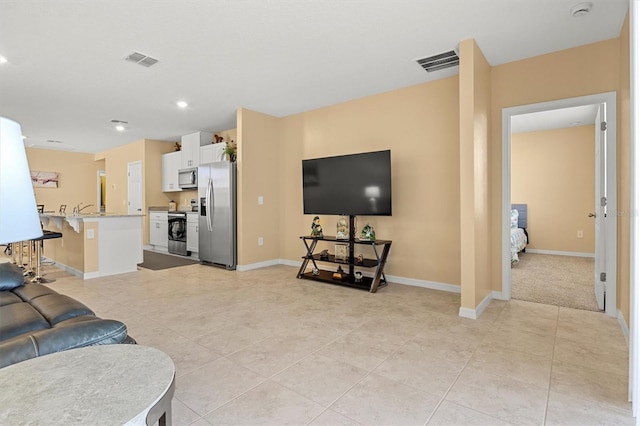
{"points": [[134, 183], [600, 208]]}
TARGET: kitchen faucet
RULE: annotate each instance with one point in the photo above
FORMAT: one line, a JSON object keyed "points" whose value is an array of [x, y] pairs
{"points": [[77, 209]]}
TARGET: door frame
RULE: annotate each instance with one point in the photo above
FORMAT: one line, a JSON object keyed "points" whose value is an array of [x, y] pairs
{"points": [[99, 189], [609, 99]]}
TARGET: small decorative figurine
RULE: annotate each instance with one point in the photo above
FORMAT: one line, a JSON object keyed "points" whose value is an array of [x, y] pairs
{"points": [[341, 252], [360, 259], [358, 276], [338, 274], [315, 271], [342, 231], [324, 254], [368, 234], [316, 228]]}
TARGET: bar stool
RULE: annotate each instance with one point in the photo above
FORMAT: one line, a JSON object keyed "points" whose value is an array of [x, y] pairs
{"points": [[46, 235]]}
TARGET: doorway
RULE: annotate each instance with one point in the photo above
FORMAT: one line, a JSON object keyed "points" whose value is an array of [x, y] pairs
{"points": [[606, 251], [134, 184], [102, 191]]}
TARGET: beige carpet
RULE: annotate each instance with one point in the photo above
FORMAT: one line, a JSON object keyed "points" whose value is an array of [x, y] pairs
{"points": [[555, 280]]}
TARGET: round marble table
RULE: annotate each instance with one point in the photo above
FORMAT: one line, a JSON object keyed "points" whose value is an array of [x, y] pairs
{"points": [[96, 385]]}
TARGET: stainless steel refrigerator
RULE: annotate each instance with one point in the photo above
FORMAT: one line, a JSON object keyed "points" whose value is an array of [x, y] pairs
{"points": [[217, 213]]}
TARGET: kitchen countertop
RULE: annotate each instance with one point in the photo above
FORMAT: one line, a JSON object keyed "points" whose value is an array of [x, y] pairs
{"points": [[75, 219], [166, 210]]}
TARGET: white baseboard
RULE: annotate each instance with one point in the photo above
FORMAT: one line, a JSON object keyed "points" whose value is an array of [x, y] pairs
{"points": [[451, 288], [475, 313], [623, 326], [64, 267], [498, 295], [252, 266], [287, 262], [561, 253]]}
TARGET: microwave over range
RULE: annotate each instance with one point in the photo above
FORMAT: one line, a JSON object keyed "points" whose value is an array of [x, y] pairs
{"points": [[188, 178]]}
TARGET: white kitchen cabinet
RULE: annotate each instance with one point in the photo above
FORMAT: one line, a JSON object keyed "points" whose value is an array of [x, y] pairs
{"points": [[212, 153], [171, 163], [192, 232], [191, 148], [159, 230]]}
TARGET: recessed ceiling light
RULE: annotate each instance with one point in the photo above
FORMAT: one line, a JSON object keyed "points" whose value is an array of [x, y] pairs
{"points": [[182, 104], [3, 60], [581, 9], [119, 125]]}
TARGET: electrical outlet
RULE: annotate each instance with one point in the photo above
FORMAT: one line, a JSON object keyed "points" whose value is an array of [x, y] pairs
{"points": [[260, 200], [260, 241], [580, 234], [90, 234]]}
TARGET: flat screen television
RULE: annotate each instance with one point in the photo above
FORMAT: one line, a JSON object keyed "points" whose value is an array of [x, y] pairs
{"points": [[354, 185]]}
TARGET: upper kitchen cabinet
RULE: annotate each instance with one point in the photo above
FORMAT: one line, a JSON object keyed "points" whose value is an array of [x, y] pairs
{"points": [[171, 163], [191, 148], [212, 153]]}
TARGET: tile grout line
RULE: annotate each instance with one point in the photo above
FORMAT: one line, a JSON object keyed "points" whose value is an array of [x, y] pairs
{"points": [[363, 378], [553, 355], [455, 380]]}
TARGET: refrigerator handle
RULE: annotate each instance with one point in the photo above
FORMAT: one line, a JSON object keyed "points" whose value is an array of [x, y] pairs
{"points": [[210, 205], [207, 205]]}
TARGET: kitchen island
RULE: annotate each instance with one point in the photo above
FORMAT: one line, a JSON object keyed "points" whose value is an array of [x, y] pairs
{"points": [[95, 244]]}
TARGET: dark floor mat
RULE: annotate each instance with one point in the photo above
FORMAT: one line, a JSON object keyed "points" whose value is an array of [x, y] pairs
{"points": [[158, 261]]}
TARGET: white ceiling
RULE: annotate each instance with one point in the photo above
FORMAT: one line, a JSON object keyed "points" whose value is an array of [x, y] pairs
{"points": [[66, 77], [554, 119]]}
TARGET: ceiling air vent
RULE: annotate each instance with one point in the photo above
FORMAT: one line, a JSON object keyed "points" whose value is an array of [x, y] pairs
{"points": [[141, 59], [440, 61], [53, 141]]}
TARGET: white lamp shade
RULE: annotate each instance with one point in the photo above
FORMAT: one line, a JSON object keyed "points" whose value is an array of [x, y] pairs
{"points": [[19, 219]]}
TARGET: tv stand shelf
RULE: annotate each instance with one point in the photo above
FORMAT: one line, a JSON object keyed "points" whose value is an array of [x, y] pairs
{"points": [[348, 278]]}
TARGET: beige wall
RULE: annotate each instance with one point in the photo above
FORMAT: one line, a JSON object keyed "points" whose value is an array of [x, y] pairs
{"points": [[475, 224], [581, 71], [258, 162], [420, 126], [553, 172], [78, 178], [116, 162]]}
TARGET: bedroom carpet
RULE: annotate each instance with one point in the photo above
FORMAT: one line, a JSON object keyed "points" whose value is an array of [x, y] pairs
{"points": [[158, 261], [554, 280]]}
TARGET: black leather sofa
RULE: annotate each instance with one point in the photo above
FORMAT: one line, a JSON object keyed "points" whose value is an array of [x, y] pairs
{"points": [[36, 320]]}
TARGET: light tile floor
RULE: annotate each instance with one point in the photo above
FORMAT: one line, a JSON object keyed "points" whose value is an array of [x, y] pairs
{"points": [[264, 348]]}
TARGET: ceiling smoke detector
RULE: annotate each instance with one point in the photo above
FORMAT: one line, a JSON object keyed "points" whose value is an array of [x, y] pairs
{"points": [[439, 61], [141, 59], [581, 9]]}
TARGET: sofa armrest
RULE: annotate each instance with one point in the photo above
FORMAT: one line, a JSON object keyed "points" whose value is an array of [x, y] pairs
{"points": [[75, 333]]}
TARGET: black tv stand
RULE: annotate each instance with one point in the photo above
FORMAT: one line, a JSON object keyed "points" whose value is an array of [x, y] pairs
{"points": [[371, 284]]}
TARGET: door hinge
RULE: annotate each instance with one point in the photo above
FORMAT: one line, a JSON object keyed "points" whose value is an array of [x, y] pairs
{"points": [[603, 276], [603, 126], [603, 201]]}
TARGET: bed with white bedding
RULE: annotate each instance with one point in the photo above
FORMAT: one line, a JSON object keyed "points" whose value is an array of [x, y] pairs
{"points": [[519, 235]]}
